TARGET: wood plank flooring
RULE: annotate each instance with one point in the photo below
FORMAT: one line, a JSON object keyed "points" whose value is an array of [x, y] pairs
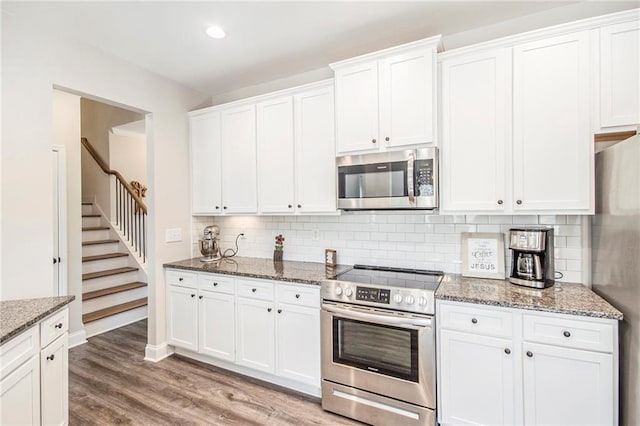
{"points": [[110, 383]]}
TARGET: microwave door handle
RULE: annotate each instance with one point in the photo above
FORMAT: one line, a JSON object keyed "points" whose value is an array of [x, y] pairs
{"points": [[410, 178]]}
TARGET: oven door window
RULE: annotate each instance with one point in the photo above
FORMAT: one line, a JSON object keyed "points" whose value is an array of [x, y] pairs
{"points": [[380, 180], [383, 349]]}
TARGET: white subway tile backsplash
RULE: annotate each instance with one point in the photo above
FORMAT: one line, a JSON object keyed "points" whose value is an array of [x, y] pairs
{"points": [[403, 239]]}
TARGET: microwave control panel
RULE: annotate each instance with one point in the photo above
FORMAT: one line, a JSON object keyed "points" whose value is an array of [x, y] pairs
{"points": [[424, 178]]}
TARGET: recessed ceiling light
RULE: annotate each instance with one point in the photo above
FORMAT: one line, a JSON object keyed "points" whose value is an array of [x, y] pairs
{"points": [[215, 32]]}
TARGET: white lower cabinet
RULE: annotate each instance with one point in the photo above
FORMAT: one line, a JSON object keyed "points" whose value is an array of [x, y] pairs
{"points": [[270, 329], [537, 372], [256, 334], [34, 374]]}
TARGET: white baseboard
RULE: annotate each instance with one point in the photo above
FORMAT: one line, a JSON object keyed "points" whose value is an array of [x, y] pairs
{"points": [[77, 338], [155, 353]]}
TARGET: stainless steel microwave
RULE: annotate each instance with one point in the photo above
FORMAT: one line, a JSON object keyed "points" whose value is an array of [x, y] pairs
{"points": [[389, 181]]}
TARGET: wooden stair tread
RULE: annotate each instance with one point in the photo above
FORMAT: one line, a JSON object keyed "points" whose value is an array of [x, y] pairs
{"points": [[113, 310], [96, 228], [112, 290], [90, 243], [91, 215], [108, 272], [103, 256]]}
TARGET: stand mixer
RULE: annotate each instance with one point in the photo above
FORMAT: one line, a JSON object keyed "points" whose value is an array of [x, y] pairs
{"points": [[209, 244]]}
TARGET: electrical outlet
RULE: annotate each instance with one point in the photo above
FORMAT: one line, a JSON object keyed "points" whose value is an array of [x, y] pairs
{"points": [[173, 235], [316, 235]]}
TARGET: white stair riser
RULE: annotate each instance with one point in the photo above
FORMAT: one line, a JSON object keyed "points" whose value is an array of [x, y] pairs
{"points": [[91, 221], [115, 321], [105, 264], [98, 303], [87, 209], [96, 249], [110, 281], [95, 235]]}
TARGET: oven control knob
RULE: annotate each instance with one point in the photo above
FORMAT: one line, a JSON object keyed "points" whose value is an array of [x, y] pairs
{"points": [[338, 291], [409, 300], [422, 301], [397, 298], [348, 292]]}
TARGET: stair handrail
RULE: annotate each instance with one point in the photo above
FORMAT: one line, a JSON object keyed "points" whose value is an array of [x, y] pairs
{"points": [[105, 168]]}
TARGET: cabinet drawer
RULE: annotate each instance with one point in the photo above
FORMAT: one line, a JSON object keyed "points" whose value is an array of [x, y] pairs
{"points": [[570, 333], [217, 283], [255, 289], [54, 326], [181, 278], [298, 295], [489, 322], [19, 349]]}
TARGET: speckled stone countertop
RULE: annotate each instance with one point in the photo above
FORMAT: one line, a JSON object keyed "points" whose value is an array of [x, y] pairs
{"points": [[18, 315], [299, 272], [562, 298]]}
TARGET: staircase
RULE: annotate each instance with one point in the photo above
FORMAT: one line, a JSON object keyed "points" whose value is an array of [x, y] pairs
{"points": [[114, 286]]}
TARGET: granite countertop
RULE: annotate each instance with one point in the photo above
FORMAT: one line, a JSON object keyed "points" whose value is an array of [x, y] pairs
{"points": [[299, 272], [18, 315], [562, 298]]}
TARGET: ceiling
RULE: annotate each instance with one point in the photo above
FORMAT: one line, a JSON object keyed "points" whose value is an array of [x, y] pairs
{"points": [[265, 40]]}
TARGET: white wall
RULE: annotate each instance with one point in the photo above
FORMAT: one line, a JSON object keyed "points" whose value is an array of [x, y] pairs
{"points": [[128, 155], [32, 64], [66, 131], [402, 239]]}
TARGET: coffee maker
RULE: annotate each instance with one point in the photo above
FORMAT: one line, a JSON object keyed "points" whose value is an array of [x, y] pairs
{"points": [[532, 254], [209, 244]]}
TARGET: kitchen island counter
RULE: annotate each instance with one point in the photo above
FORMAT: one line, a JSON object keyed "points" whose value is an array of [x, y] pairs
{"points": [[268, 269], [562, 298]]}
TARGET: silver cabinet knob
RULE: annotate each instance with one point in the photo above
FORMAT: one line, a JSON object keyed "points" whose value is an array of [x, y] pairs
{"points": [[530, 354]]}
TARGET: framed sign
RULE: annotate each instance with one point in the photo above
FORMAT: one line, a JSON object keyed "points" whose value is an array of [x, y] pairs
{"points": [[483, 255]]}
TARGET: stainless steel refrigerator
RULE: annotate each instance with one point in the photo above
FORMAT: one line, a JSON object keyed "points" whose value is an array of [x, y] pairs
{"points": [[615, 239]]}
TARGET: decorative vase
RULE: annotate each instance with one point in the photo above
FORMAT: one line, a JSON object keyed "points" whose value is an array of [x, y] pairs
{"points": [[277, 255]]}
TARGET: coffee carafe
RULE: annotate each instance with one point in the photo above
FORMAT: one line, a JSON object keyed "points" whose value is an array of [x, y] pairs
{"points": [[532, 254]]}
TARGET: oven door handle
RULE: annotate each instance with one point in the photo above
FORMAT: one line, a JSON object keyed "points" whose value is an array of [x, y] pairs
{"points": [[378, 318], [410, 178]]}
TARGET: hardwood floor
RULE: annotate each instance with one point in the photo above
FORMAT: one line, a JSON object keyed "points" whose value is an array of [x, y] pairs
{"points": [[110, 383]]}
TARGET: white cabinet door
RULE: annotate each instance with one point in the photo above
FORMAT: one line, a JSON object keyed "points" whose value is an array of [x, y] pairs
{"points": [[315, 151], [54, 371], [552, 146], [298, 347], [567, 386], [206, 185], [256, 334], [474, 132], [217, 325], [407, 98], [477, 379], [182, 317], [357, 107], [20, 395], [275, 155], [239, 191], [620, 74]]}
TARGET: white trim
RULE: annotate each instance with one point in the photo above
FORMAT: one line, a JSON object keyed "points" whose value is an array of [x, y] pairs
{"points": [[131, 129], [155, 353], [77, 338], [255, 99], [63, 252], [267, 377], [569, 27]]}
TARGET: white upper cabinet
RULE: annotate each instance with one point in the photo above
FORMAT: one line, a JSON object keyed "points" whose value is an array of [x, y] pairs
{"points": [[315, 151], [407, 98], [619, 75], [357, 107], [238, 130], [275, 155], [552, 141], [206, 185], [386, 99], [474, 132]]}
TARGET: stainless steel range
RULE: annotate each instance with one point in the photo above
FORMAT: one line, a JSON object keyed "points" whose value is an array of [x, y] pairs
{"points": [[378, 345]]}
